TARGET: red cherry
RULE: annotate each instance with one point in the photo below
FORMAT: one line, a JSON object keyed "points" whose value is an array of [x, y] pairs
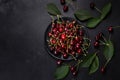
{"points": [[49, 34], [77, 38], [81, 33], [54, 30], [59, 62], [63, 36], [102, 70], [60, 29], [96, 44], [55, 53], [97, 38], [62, 2], [110, 29], [71, 25], [72, 69], [65, 56], [77, 45], [74, 73], [53, 41], [92, 5], [79, 51], [100, 34], [65, 8], [73, 53]]}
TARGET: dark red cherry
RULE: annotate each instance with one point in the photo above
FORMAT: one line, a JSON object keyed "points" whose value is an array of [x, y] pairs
{"points": [[92, 5], [62, 2], [96, 44], [65, 55], [74, 73], [65, 8], [110, 29], [59, 62], [72, 69]]}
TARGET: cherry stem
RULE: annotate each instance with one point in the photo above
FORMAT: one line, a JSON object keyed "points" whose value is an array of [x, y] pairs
{"points": [[103, 43], [106, 63], [52, 18], [98, 10], [104, 38], [73, 57]]}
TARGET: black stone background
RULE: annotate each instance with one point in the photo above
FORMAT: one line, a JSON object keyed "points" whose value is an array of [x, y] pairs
{"points": [[22, 53]]}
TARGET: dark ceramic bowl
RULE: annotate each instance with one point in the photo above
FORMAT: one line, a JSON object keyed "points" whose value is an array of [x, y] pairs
{"points": [[47, 38]]}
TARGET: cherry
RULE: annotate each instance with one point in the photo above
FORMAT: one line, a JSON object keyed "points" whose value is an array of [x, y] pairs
{"points": [[49, 34], [60, 29], [77, 45], [54, 30], [71, 25], [110, 29], [63, 36], [59, 62], [100, 34], [55, 53], [97, 38], [102, 70], [65, 56], [79, 51], [74, 73], [62, 2], [76, 38], [72, 69], [73, 53], [81, 33], [65, 8], [96, 44], [92, 5]]}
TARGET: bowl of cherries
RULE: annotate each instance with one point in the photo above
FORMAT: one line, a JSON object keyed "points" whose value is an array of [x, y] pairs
{"points": [[66, 39]]}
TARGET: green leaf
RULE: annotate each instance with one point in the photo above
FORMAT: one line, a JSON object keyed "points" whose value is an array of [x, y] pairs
{"points": [[87, 60], [108, 50], [61, 72], [82, 15], [94, 66], [93, 22], [53, 10], [106, 9]]}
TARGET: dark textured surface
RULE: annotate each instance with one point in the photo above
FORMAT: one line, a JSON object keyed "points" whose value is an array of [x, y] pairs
{"points": [[22, 53]]}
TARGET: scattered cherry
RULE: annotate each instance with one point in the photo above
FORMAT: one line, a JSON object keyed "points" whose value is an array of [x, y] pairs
{"points": [[74, 73], [59, 62], [96, 44], [72, 69], [110, 29], [92, 5], [65, 8], [62, 2]]}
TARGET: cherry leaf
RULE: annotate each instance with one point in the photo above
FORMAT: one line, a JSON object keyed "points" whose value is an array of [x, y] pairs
{"points": [[94, 66], [87, 60], [61, 72], [82, 15], [108, 50], [106, 9], [53, 10], [91, 23]]}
